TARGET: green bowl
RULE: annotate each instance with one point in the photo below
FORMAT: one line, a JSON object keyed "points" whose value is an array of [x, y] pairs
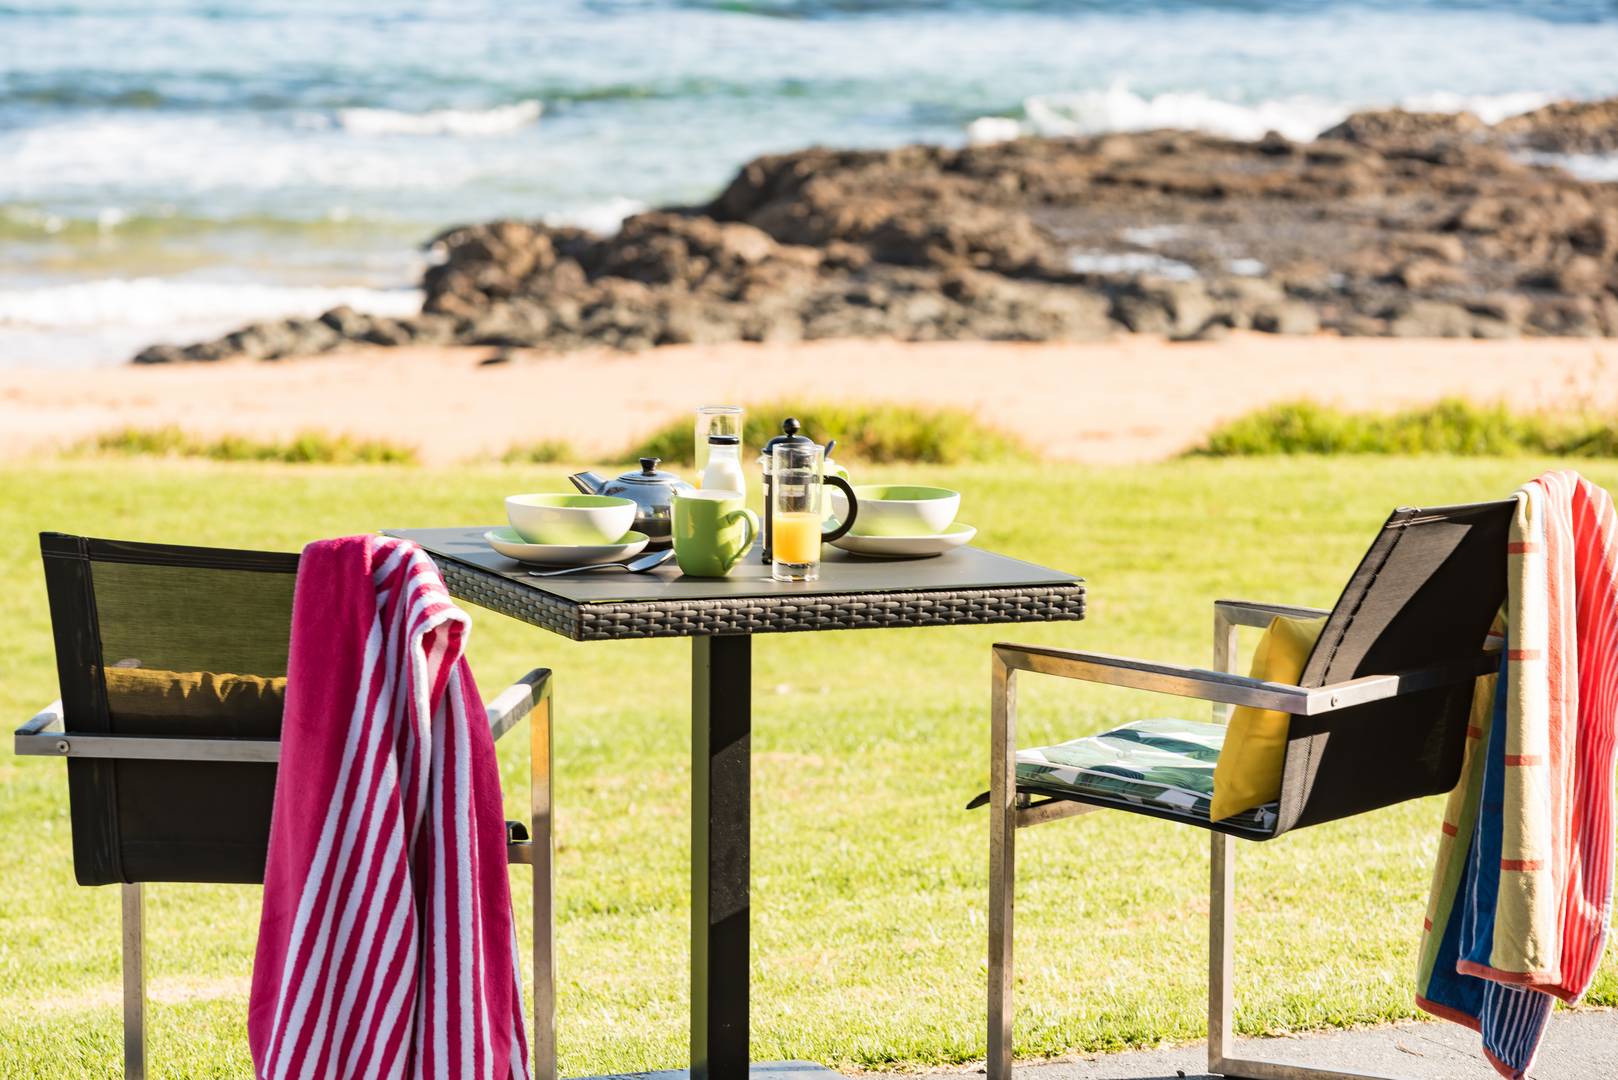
{"points": [[570, 519], [904, 510]]}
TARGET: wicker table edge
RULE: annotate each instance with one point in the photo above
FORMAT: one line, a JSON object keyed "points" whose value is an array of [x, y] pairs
{"points": [[764, 615]]}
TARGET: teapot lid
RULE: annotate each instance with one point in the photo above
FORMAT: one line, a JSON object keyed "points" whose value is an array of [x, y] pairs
{"points": [[649, 473], [790, 437]]}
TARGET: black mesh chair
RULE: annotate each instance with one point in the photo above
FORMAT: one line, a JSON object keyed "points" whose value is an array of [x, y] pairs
{"points": [[1379, 716], [172, 664]]}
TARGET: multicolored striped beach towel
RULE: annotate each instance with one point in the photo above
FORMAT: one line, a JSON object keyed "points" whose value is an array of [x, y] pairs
{"points": [[386, 945], [1522, 893]]}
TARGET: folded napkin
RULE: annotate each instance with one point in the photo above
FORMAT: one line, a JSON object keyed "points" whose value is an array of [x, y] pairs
{"points": [[1522, 892], [386, 944]]}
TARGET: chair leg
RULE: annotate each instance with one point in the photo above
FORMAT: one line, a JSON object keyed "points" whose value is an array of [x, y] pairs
{"points": [[1221, 995], [134, 945], [1221, 949], [540, 830], [1002, 865]]}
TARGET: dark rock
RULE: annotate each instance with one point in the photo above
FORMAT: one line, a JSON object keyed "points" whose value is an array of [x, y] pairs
{"points": [[1358, 324], [1566, 316], [209, 351], [430, 329], [1487, 214], [1510, 308], [1156, 306], [1582, 275], [514, 324], [1437, 247], [1211, 331], [1247, 292], [347, 322], [1423, 275], [160, 354], [1484, 326], [1287, 317], [1607, 313], [1432, 319], [386, 331]]}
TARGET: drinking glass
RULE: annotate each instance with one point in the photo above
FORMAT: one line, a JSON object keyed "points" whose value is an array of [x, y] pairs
{"points": [[797, 478], [715, 420]]}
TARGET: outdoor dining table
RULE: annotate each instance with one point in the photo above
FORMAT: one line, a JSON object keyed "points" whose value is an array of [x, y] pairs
{"points": [[965, 586]]}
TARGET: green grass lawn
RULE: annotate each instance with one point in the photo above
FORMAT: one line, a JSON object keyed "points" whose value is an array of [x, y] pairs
{"points": [[869, 878]]}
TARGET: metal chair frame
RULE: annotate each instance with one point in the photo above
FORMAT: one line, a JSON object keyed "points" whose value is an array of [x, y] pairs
{"points": [[530, 696], [1010, 810]]}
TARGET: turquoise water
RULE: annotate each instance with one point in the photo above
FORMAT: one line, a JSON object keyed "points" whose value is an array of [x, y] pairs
{"points": [[229, 149]]}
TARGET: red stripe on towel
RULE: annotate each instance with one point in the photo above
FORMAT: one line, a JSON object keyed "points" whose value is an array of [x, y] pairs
{"points": [[1521, 864]]}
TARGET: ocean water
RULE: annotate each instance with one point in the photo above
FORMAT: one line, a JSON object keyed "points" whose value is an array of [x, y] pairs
{"points": [[170, 168]]}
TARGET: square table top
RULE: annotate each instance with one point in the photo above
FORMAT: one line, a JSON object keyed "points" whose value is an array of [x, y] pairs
{"points": [[966, 585]]}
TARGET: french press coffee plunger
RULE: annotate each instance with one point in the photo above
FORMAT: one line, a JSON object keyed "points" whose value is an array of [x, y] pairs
{"points": [[790, 437]]}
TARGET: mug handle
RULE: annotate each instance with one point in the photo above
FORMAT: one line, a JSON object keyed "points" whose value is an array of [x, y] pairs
{"points": [[752, 534], [853, 510]]}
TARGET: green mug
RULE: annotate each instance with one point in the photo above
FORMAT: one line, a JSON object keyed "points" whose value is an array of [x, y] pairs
{"points": [[712, 531]]}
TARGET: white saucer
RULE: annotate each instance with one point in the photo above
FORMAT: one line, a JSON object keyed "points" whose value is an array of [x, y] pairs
{"points": [[508, 543], [906, 547]]}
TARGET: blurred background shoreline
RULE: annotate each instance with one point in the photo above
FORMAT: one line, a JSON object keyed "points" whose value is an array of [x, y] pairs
{"points": [[172, 170]]}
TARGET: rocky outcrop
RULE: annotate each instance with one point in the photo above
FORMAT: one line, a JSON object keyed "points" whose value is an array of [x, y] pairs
{"points": [[1388, 128], [1389, 223], [1566, 127]]}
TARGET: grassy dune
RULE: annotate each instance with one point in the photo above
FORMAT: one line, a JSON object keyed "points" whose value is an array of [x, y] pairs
{"points": [[868, 877]]}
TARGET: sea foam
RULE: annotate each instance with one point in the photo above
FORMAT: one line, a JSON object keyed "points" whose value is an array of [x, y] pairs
{"points": [[463, 122], [1300, 118], [161, 301], [95, 323]]}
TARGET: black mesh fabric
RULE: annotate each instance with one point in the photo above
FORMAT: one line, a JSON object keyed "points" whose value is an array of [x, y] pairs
{"points": [[1425, 594], [161, 640]]}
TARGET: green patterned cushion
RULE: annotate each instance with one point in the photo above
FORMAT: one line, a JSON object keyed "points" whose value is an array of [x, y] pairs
{"points": [[1167, 765]]}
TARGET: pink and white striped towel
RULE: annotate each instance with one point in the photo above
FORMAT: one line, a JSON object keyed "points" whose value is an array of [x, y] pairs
{"points": [[386, 945]]}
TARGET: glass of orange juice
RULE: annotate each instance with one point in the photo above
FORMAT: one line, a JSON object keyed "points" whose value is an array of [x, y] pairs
{"points": [[797, 480]]}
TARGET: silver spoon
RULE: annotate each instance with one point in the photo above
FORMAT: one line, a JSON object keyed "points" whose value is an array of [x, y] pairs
{"points": [[638, 565]]}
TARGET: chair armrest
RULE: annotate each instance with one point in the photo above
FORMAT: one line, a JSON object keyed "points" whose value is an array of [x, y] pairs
{"points": [[43, 737], [518, 700], [1255, 613], [46, 720], [1229, 689]]}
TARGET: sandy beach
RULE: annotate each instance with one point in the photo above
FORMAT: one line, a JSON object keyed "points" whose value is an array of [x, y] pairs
{"points": [[1132, 399]]}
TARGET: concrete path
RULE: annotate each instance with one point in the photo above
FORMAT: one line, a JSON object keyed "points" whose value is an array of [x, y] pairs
{"points": [[1580, 1045]]}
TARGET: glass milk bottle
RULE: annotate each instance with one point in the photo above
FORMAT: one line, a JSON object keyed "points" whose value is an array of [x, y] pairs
{"points": [[724, 468], [714, 420]]}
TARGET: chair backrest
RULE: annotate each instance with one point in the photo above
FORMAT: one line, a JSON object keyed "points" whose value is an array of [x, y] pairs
{"points": [[1425, 594], [156, 639]]}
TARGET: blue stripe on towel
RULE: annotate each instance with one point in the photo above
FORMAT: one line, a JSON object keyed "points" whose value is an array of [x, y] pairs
{"points": [[1512, 1019], [1483, 861]]}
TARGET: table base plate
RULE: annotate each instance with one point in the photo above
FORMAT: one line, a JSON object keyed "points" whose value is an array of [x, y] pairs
{"points": [[761, 1070]]}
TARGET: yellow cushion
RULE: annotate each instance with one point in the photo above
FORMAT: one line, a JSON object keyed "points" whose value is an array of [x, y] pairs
{"points": [[157, 702], [1248, 772]]}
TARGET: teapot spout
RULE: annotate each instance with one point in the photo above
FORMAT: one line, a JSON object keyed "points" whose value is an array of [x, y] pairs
{"points": [[588, 482]]}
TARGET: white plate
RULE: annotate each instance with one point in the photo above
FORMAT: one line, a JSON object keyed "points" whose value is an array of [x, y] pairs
{"points": [[513, 546], [907, 547]]}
